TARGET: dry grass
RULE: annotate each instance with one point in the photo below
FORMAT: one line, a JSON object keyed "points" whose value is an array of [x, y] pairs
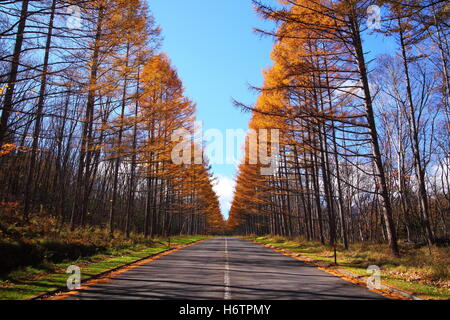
{"points": [[416, 270], [43, 241]]}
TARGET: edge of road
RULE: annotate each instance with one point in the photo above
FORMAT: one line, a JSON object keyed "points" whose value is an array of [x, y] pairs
{"points": [[385, 290], [63, 293]]}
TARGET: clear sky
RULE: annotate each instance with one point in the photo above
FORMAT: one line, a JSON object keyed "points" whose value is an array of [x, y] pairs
{"points": [[212, 45], [217, 54]]}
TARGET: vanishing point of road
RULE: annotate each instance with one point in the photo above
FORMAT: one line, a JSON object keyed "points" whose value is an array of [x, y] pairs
{"points": [[226, 268]]}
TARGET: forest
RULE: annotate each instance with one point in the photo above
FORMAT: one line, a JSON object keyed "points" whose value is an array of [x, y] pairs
{"points": [[364, 143], [88, 106]]}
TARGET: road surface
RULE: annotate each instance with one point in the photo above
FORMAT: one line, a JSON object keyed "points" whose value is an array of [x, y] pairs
{"points": [[226, 268]]}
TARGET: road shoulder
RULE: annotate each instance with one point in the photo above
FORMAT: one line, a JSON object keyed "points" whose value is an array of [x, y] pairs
{"points": [[384, 290]]}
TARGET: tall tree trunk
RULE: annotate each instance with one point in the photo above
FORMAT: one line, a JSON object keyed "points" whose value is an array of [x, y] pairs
{"points": [[119, 151], [40, 106], [86, 144], [376, 153], [130, 205], [414, 137], [12, 77]]}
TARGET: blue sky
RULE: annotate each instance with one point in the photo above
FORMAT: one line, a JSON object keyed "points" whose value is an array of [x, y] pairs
{"points": [[216, 53], [212, 45]]}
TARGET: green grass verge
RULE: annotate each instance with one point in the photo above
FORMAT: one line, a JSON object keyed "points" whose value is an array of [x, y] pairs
{"points": [[416, 271], [29, 282]]}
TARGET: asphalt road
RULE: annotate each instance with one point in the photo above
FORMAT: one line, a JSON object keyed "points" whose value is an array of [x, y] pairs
{"points": [[226, 268]]}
